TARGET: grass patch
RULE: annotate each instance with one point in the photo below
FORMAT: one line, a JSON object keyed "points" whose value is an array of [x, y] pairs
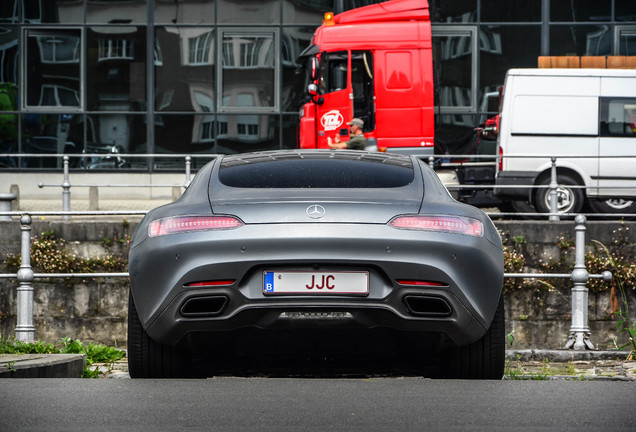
{"points": [[95, 353]]}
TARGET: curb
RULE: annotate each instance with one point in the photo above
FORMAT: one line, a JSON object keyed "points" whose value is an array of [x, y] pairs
{"points": [[562, 356], [42, 365], [72, 365]]}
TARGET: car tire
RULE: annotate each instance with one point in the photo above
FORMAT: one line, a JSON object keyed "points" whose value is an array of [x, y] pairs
{"points": [[570, 199], [149, 359], [485, 358], [613, 206]]}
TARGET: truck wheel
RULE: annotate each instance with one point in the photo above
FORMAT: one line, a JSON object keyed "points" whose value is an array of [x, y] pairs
{"points": [[569, 199], [485, 358], [614, 205], [149, 359]]}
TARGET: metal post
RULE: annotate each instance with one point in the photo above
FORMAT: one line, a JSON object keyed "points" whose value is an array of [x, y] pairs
{"points": [[554, 201], [188, 164], [431, 162], [25, 331], [579, 338], [66, 190]]}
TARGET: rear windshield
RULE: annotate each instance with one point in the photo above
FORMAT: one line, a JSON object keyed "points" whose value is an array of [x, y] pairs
{"points": [[320, 169]]}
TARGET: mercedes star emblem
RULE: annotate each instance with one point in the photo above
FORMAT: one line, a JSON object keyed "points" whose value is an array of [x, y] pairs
{"points": [[315, 211]]}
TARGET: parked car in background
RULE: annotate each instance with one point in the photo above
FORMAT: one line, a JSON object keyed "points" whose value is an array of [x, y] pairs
{"points": [[315, 251], [586, 118]]}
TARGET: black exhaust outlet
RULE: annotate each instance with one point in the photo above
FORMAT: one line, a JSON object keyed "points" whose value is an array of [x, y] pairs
{"points": [[427, 306], [201, 307]]}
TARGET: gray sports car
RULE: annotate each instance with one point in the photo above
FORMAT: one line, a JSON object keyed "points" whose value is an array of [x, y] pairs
{"points": [[315, 250]]}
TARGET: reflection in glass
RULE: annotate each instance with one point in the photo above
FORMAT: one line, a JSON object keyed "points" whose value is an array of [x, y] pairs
{"points": [[187, 68], [53, 11], [248, 69], [53, 68], [115, 66], [116, 134], [510, 10], [627, 43], [116, 12], [239, 133], [306, 12], [51, 133], [248, 12], [625, 10], [455, 11], [495, 62], [184, 11], [293, 41], [8, 55], [581, 40], [8, 124], [453, 65], [581, 10]]}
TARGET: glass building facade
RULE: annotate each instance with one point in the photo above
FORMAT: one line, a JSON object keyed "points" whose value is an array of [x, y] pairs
{"points": [[219, 76]]}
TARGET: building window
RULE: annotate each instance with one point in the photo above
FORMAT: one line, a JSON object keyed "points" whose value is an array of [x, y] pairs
{"points": [[249, 78], [199, 49], [52, 68], [115, 49]]}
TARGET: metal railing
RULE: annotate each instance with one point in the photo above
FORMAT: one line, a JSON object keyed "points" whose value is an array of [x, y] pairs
{"points": [[553, 214], [579, 335], [433, 161]]}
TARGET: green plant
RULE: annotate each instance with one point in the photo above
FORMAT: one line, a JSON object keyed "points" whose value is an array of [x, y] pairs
{"points": [[49, 255], [95, 353], [519, 240], [624, 324]]}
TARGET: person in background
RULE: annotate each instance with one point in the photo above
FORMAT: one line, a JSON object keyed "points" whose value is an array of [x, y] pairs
{"points": [[357, 140]]}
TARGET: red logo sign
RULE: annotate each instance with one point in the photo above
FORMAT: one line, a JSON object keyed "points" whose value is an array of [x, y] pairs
{"points": [[331, 120]]}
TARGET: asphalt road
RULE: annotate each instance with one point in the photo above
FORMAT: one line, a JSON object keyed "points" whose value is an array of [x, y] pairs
{"points": [[315, 404]]}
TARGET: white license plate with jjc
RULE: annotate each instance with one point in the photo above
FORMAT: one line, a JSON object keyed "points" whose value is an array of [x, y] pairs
{"points": [[325, 283]]}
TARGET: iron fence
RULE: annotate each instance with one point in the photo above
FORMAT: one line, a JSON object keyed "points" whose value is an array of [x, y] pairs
{"points": [[435, 161], [578, 339]]}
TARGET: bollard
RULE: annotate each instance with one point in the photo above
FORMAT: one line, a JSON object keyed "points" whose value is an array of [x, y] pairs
{"points": [[25, 331], [5, 204], [431, 162], [66, 190], [554, 199], [579, 338], [188, 164]]}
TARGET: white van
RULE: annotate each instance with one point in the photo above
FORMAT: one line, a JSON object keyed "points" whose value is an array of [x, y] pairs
{"points": [[586, 118]]}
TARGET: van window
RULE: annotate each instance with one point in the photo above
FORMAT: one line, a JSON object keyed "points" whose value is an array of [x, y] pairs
{"points": [[555, 115], [618, 117]]}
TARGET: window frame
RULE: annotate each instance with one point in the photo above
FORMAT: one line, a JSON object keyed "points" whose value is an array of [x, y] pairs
{"points": [[264, 31], [35, 31]]}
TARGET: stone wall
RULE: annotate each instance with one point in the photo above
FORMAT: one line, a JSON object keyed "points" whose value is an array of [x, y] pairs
{"points": [[96, 310]]}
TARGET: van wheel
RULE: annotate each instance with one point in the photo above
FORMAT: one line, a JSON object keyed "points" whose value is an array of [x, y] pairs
{"points": [[614, 205], [569, 199]]}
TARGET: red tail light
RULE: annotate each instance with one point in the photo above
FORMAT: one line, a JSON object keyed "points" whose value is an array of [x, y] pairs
{"points": [[211, 283], [453, 224], [420, 283], [173, 225], [500, 159]]}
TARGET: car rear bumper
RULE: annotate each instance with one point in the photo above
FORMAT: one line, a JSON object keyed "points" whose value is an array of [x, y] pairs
{"points": [[469, 269]]}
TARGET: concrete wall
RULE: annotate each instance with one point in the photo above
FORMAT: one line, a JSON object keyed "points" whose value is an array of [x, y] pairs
{"points": [[96, 310]]}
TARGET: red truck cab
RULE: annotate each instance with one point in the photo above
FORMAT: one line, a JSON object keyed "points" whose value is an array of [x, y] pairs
{"points": [[374, 63]]}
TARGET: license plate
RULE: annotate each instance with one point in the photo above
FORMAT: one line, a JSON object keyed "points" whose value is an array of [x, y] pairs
{"points": [[316, 283]]}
